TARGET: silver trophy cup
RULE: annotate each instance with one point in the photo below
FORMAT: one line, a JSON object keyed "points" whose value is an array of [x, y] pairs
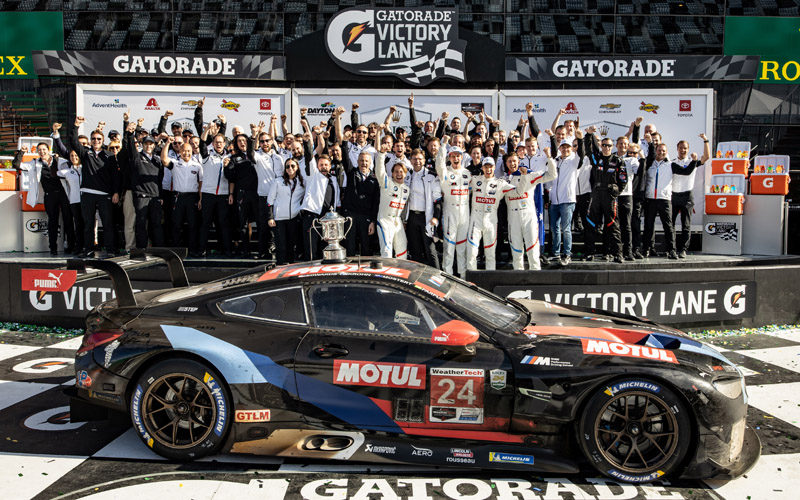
{"points": [[333, 231]]}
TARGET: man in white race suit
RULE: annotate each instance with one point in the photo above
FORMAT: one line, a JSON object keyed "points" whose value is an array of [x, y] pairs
{"points": [[455, 181], [487, 191], [394, 196]]}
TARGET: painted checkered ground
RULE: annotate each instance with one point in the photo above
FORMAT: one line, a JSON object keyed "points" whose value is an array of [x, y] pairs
{"points": [[43, 455]]}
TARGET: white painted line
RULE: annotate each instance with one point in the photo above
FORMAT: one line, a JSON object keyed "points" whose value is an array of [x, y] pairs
{"points": [[10, 350], [779, 400], [72, 344], [774, 477], [786, 357], [25, 476], [12, 393]]}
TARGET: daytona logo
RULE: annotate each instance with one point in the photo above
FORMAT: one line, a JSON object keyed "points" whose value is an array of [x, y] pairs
{"points": [[605, 348], [405, 376]]}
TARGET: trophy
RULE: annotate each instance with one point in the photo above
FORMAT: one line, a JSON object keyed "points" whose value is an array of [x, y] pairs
{"points": [[332, 225]]}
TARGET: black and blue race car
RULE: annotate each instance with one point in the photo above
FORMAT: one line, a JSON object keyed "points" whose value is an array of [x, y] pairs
{"points": [[382, 360]]}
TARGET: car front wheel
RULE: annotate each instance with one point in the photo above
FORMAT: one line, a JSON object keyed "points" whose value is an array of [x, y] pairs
{"points": [[181, 409], [635, 430]]}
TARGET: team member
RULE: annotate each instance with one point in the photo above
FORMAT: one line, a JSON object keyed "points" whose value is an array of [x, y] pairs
{"points": [[609, 177], [487, 191], [523, 226], [146, 168], [43, 171], [682, 200], [285, 196], [269, 166], [71, 174], [187, 179], [424, 211], [167, 192], [454, 182], [360, 144], [100, 186], [215, 196], [360, 202], [563, 197], [322, 195], [625, 198], [243, 183], [393, 199]]}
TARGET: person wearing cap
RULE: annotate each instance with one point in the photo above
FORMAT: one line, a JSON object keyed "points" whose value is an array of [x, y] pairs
{"points": [[146, 168], [455, 182], [187, 180], [523, 224], [391, 206], [424, 211], [487, 191], [216, 200], [562, 191]]}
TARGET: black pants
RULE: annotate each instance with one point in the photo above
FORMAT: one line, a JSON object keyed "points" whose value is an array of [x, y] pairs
{"points": [[264, 232], [185, 210], [624, 210], [662, 208], [582, 209], [311, 239], [77, 221], [148, 216], [167, 205], [247, 204], [683, 205], [56, 203], [603, 214], [214, 209], [420, 245], [636, 222], [288, 235], [358, 239], [91, 203]]}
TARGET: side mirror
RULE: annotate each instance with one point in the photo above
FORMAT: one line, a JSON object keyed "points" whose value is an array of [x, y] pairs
{"points": [[455, 333]]}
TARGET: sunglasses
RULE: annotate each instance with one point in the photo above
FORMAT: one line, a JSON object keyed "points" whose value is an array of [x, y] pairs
{"points": [[607, 145], [97, 138], [361, 131], [262, 141], [290, 166], [114, 148]]}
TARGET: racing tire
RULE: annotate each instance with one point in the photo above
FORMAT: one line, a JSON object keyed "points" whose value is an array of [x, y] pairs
{"points": [[181, 409], [635, 430]]}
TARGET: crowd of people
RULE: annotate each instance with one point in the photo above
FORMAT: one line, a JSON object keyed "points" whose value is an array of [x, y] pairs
{"points": [[455, 187]]}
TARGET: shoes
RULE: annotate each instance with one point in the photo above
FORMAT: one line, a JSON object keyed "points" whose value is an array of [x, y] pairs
{"points": [[53, 253], [646, 254], [263, 256], [618, 259], [682, 255], [609, 258], [86, 253], [565, 260], [672, 255], [637, 254], [629, 257], [588, 258]]}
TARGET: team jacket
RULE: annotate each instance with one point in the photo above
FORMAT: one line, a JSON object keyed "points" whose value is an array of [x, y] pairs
{"points": [[609, 173]]}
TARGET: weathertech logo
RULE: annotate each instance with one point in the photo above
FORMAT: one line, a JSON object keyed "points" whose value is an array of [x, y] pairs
{"points": [[605, 348], [152, 105], [417, 46], [404, 376]]}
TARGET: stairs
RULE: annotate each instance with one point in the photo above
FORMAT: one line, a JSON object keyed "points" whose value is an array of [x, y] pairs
{"points": [[22, 113]]}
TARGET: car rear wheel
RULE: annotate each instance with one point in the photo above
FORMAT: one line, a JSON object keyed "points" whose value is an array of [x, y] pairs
{"points": [[635, 430], [181, 409]]}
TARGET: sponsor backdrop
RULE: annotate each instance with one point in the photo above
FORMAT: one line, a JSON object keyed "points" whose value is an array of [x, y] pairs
{"points": [[677, 114], [374, 104], [240, 106]]}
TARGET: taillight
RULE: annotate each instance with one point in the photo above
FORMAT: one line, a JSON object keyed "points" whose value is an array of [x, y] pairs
{"points": [[98, 338]]}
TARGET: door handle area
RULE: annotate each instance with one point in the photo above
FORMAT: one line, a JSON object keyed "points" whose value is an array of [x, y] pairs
{"points": [[331, 351]]}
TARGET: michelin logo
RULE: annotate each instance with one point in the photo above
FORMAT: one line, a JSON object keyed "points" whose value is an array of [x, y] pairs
{"points": [[633, 384], [509, 458]]}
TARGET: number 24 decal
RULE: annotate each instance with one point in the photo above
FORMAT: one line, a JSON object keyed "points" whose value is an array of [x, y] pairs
{"points": [[467, 393]]}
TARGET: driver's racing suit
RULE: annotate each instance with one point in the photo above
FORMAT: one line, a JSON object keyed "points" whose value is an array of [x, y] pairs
{"points": [[486, 196], [455, 192], [393, 199]]}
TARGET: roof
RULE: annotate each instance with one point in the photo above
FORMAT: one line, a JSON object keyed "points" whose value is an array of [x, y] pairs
{"points": [[378, 267]]}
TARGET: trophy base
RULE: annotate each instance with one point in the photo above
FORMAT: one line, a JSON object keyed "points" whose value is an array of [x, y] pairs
{"points": [[334, 254]]}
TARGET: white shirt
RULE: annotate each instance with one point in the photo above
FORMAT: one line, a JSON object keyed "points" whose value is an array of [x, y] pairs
{"points": [[213, 173], [631, 166], [285, 199], [316, 185], [659, 180], [417, 197], [354, 151], [564, 188], [186, 176], [584, 181], [72, 175], [683, 183], [268, 167]]}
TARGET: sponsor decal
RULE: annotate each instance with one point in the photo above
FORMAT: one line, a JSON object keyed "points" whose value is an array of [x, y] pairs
{"points": [[396, 204], [421, 452], [136, 403], [486, 201], [497, 379], [545, 361], [442, 337], [381, 450], [326, 108], [571, 109], [417, 46], [216, 393], [409, 410], [734, 299], [606, 348], [104, 396], [10, 65], [405, 318], [510, 458], [335, 269], [48, 280], [109, 351], [649, 108], [52, 419], [152, 105], [249, 416], [472, 107], [437, 279], [610, 106], [230, 105], [45, 365], [169, 65], [83, 380], [459, 391], [379, 374], [188, 309], [536, 394], [685, 105], [536, 109], [725, 230], [459, 192], [635, 479], [190, 103], [114, 105], [632, 384], [265, 104], [605, 68], [461, 452], [36, 225]]}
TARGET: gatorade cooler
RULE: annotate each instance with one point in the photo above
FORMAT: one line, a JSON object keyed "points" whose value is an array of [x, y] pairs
{"points": [[733, 150], [731, 203], [770, 175], [8, 179], [730, 166]]}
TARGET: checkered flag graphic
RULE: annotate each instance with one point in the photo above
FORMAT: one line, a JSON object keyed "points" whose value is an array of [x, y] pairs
{"points": [[730, 234], [63, 63], [447, 60]]}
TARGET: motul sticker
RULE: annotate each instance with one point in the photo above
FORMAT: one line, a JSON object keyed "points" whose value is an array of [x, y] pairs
{"points": [[369, 373], [252, 416], [335, 268], [457, 395], [459, 192], [48, 280], [605, 348], [486, 201]]}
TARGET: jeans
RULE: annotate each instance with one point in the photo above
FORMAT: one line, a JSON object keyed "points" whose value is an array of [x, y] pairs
{"points": [[561, 222]]}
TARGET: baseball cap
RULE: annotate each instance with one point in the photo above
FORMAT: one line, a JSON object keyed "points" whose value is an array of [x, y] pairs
{"points": [[113, 132], [488, 161], [177, 125], [456, 150], [148, 139], [563, 142]]}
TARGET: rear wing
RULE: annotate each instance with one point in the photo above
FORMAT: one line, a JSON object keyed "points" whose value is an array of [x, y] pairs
{"points": [[117, 269]]}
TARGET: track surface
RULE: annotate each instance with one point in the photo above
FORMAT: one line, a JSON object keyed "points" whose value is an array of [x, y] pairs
{"points": [[44, 455]]}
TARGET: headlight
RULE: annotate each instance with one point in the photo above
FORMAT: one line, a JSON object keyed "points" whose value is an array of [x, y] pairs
{"points": [[732, 387]]}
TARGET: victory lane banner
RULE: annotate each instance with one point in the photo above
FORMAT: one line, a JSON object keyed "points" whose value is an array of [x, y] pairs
{"points": [[417, 46], [666, 303]]}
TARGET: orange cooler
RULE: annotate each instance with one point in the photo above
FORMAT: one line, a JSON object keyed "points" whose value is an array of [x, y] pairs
{"points": [[724, 204], [730, 166], [769, 184], [8, 179]]}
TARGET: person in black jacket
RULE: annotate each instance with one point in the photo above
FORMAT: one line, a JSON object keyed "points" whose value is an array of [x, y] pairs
{"points": [[146, 170], [100, 186], [243, 181]]}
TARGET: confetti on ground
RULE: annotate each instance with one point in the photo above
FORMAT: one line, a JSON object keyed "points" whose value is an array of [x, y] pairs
{"points": [[56, 331], [706, 334]]}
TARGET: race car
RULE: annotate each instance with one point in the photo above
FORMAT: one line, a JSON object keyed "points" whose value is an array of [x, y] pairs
{"points": [[391, 361]]}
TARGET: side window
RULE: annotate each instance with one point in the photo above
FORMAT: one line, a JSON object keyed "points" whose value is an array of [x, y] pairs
{"points": [[284, 305], [373, 309]]}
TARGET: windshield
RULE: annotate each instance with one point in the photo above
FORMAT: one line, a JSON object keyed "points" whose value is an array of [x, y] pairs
{"points": [[491, 309]]}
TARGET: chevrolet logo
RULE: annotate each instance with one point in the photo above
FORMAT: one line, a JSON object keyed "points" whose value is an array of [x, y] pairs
{"points": [[610, 106]]}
